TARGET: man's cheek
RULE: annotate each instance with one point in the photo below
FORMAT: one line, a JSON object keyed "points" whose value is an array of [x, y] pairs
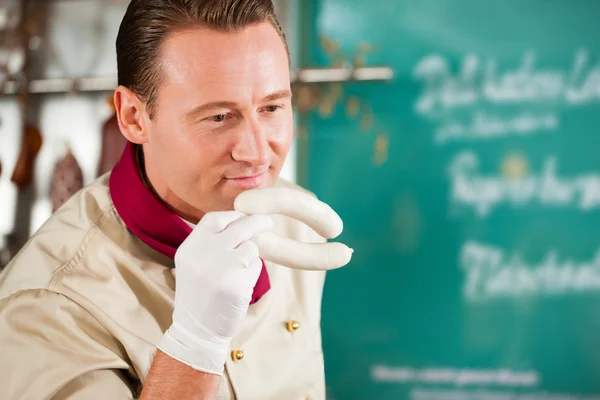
{"points": [[280, 136]]}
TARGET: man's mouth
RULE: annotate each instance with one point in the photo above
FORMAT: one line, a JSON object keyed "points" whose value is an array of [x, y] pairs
{"points": [[248, 181]]}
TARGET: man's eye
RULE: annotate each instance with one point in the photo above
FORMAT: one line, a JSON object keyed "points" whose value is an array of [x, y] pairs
{"points": [[271, 108], [218, 118]]}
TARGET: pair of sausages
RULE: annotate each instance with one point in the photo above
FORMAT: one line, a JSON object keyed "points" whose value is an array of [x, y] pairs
{"points": [[304, 208]]}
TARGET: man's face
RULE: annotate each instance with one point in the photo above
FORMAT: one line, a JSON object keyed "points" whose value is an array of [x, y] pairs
{"points": [[223, 117]]}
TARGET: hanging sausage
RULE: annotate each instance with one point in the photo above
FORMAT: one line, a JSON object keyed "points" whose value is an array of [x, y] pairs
{"points": [[67, 179], [113, 143], [5, 253], [24, 169]]}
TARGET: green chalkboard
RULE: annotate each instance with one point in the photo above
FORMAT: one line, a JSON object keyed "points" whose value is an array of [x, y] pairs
{"points": [[470, 190]]}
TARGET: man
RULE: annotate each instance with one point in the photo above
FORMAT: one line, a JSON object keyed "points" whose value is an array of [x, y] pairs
{"points": [[89, 309]]}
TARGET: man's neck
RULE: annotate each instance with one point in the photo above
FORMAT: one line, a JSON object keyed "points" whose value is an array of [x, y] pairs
{"points": [[139, 160]]}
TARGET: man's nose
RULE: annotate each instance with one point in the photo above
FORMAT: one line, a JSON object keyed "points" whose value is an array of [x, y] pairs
{"points": [[252, 144]]}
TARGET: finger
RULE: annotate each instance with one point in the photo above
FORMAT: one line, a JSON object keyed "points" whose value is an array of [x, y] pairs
{"points": [[247, 252], [217, 221], [292, 203], [244, 279], [254, 270], [245, 229]]}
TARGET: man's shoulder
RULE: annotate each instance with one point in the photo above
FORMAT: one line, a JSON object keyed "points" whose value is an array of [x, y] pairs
{"points": [[61, 240]]}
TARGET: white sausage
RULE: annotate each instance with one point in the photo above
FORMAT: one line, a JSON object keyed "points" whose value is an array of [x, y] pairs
{"points": [[304, 256], [294, 204], [305, 208]]}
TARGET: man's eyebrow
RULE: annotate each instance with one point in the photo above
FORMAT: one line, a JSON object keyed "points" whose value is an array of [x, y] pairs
{"points": [[281, 94], [208, 107], [196, 112]]}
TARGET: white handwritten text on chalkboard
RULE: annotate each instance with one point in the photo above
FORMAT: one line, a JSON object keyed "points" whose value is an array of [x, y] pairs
{"points": [[482, 125], [455, 376], [420, 393], [482, 101], [479, 80], [471, 188], [491, 273]]}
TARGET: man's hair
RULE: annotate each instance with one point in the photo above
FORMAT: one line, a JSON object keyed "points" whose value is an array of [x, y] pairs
{"points": [[148, 23]]}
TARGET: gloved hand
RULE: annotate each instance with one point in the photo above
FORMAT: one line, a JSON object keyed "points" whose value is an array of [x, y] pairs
{"points": [[217, 268]]}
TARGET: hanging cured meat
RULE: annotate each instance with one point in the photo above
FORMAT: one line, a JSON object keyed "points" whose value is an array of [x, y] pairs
{"points": [[67, 179], [113, 143], [32, 143]]}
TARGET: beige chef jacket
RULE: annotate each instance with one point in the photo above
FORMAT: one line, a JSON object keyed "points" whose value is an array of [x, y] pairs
{"points": [[84, 304]]}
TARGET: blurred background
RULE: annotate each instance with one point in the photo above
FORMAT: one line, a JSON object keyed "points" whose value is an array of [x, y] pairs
{"points": [[457, 141]]}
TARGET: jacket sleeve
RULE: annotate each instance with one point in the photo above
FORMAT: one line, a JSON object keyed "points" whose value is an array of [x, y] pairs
{"points": [[52, 348]]}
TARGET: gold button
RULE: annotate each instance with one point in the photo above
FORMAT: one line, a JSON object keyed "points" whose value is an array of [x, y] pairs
{"points": [[237, 355], [293, 326]]}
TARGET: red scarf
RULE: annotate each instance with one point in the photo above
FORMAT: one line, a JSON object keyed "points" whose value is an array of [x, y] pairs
{"points": [[150, 219]]}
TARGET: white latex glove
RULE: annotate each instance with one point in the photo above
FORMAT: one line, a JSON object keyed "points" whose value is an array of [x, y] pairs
{"points": [[217, 268]]}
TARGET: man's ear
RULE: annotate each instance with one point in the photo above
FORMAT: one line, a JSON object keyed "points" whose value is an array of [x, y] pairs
{"points": [[130, 114]]}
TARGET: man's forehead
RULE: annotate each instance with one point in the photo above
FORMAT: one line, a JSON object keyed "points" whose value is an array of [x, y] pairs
{"points": [[208, 49], [252, 62]]}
